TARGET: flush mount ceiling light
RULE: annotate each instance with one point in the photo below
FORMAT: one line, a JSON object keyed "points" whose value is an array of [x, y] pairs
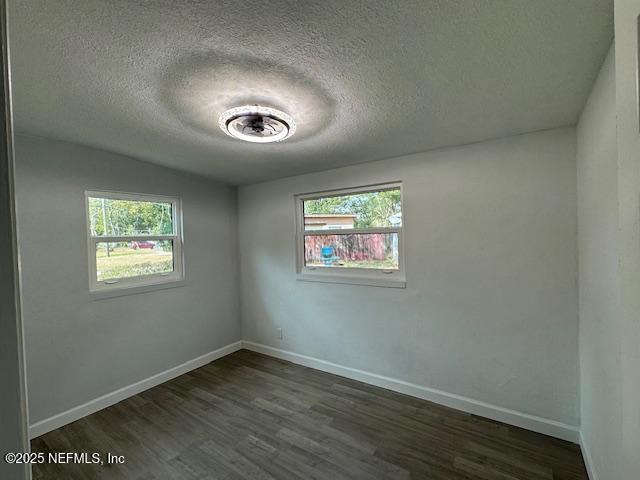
{"points": [[257, 124]]}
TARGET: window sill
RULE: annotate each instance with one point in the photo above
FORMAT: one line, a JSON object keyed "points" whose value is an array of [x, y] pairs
{"points": [[134, 289], [350, 279]]}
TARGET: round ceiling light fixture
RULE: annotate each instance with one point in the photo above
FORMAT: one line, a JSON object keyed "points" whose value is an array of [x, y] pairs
{"points": [[257, 124]]}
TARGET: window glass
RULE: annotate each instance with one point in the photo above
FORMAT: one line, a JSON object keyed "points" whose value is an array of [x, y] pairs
{"points": [[368, 250], [358, 210], [117, 218], [133, 259]]}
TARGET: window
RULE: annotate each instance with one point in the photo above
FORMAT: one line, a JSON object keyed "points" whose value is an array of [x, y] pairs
{"points": [[352, 236], [134, 240]]}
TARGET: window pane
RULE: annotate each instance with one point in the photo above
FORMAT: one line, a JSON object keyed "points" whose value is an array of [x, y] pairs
{"points": [[370, 250], [109, 217], [132, 259], [359, 210]]}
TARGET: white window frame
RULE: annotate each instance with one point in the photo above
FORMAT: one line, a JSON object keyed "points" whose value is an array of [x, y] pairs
{"points": [[357, 276], [139, 282]]}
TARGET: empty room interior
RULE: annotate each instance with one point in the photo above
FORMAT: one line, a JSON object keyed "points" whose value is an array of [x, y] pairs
{"points": [[384, 239]]}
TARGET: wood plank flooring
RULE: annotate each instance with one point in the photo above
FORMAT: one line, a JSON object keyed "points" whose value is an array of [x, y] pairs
{"points": [[249, 416]]}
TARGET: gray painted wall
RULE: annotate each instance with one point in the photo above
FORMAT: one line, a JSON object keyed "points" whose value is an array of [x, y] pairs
{"points": [[13, 409], [490, 308], [79, 348], [626, 30], [599, 278]]}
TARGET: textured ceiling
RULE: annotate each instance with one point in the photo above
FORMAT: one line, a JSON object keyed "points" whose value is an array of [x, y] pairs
{"points": [[365, 80]]}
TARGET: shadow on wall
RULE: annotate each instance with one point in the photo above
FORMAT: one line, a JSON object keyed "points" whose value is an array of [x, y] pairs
{"points": [[199, 88]]}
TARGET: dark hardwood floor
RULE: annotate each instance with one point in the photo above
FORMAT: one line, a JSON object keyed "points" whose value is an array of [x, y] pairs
{"points": [[249, 416]]}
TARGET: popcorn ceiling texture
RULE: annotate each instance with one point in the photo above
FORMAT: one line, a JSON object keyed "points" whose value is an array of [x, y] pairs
{"points": [[364, 80]]}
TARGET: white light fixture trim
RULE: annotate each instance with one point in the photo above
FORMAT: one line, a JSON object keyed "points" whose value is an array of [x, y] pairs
{"points": [[254, 123]]}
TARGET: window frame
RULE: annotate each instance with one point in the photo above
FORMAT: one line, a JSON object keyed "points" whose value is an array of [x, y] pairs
{"points": [[350, 275], [140, 282]]}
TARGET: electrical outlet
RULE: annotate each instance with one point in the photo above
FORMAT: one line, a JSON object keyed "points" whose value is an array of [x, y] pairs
{"points": [[279, 333]]}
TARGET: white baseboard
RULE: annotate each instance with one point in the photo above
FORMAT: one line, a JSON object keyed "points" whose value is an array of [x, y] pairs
{"points": [[512, 417], [76, 413], [588, 459]]}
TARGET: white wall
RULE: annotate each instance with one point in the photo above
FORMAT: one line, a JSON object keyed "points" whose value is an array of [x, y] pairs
{"points": [[79, 348], [626, 31], [490, 308], [599, 278]]}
